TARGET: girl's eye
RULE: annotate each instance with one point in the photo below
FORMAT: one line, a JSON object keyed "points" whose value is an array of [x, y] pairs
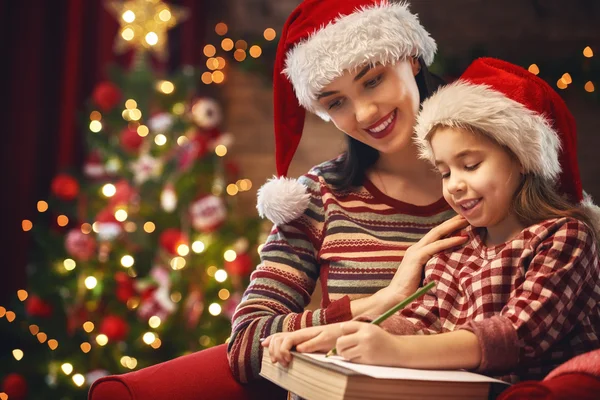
{"points": [[335, 104], [472, 167], [371, 83]]}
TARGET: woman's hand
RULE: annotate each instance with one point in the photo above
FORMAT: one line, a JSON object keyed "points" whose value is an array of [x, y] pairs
{"points": [[366, 343], [408, 276], [307, 340]]}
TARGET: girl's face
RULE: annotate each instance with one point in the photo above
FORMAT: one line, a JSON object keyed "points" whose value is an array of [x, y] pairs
{"points": [[375, 105], [480, 179]]}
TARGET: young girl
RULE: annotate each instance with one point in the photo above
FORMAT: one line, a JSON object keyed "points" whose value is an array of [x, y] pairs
{"points": [[523, 294]]}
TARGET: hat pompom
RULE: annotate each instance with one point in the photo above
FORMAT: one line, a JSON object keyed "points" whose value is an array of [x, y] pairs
{"points": [[593, 213], [282, 200]]}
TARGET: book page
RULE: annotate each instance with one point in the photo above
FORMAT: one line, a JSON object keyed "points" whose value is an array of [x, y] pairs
{"points": [[405, 373]]}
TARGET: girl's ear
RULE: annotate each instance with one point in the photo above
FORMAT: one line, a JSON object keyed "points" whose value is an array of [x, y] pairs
{"points": [[415, 65]]}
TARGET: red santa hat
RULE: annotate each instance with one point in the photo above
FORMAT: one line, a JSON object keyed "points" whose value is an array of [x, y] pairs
{"points": [[320, 40], [518, 110]]}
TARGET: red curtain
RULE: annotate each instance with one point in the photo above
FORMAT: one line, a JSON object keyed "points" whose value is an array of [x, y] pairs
{"points": [[53, 54]]}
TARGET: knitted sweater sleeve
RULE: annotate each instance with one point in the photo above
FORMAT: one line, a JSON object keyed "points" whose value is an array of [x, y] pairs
{"points": [[281, 287]]}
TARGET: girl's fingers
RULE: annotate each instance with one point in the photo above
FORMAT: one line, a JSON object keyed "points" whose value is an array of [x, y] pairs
{"points": [[444, 229]]}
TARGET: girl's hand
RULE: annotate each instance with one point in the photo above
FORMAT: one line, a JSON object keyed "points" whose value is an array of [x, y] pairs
{"points": [[408, 276], [307, 340], [366, 343]]}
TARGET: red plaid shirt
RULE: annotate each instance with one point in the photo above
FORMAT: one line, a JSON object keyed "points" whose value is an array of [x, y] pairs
{"points": [[533, 302]]}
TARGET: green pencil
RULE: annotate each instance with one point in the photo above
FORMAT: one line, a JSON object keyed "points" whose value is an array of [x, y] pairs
{"points": [[395, 309]]}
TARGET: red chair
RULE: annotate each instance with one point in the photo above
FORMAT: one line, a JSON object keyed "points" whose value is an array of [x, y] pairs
{"points": [[204, 375], [578, 378]]}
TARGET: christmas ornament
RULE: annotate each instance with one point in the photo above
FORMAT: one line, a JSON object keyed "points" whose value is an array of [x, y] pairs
{"points": [[80, 246], [159, 303], [208, 213], [170, 239], [193, 307], [130, 140], [108, 228], [241, 266], [144, 24], [160, 123], [124, 194], [65, 187], [224, 139], [145, 167], [93, 167], [36, 307], [194, 149], [125, 289], [206, 113], [168, 198], [106, 95], [114, 327], [15, 386]]}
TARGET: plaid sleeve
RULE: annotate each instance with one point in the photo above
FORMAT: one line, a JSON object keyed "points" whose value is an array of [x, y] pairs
{"points": [[560, 287], [280, 288]]}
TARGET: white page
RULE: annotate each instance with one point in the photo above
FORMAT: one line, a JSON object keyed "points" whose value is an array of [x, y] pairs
{"points": [[406, 373]]}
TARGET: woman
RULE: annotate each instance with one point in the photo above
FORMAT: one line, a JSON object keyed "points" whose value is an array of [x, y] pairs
{"points": [[350, 221]]}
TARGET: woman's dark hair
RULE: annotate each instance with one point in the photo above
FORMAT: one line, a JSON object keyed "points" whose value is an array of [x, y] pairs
{"points": [[352, 166]]}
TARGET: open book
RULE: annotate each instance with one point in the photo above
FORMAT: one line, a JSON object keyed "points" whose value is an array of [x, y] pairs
{"points": [[314, 377]]}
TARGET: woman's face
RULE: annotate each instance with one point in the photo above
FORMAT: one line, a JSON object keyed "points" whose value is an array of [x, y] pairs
{"points": [[376, 105]]}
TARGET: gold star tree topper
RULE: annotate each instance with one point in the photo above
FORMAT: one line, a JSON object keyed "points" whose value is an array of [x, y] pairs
{"points": [[144, 24]]}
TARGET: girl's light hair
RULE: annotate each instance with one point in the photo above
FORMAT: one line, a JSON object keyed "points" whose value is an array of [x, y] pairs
{"points": [[537, 200]]}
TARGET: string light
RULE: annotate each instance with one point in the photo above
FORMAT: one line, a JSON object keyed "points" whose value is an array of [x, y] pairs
{"points": [[149, 227], [178, 108], [90, 282], [206, 78], [102, 339], [230, 255], [534, 69], [567, 78], [95, 126], [67, 368], [85, 347], [27, 225], [156, 344], [62, 220], [210, 50], [18, 354], [131, 104], [183, 250], [34, 329], [239, 55], [142, 130], [109, 190], [177, 263], [127, 261], [154, 322], [221, 28], [588, 52], [160, 139], [2, 312], [222, 62], [176, 297], [561, 84], [79, 379], [22, 294], [241, 44], [232, 189], [227, 44], [42, 206], [269, 34], [198, 247], [149, 337], [224, 294], [589, 87], [210, 271], [205, 341], [69, 264], [255, 51], [88, 326], [121, 215], [53, 344], [3, 396], [214, 309], [221, 150], [218, 77], [86, 228], [41, 337], [221, 275], [130, 227], [166, 87], [10, 316], [212, 64]]}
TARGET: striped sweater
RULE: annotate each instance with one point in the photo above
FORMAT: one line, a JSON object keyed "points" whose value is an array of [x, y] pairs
{"points": [[352, 240]]}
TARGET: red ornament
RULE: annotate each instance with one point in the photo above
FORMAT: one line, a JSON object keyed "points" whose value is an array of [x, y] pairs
{"points": [[114, 327], [171, 239], [80, 246], [208, 213], [130, 140], [93, 167], [15, 386], [125, 287], [106, 95], [65, 187], [124, 194], [36, 307], [193, 150], [206, 113], [241, 266]]}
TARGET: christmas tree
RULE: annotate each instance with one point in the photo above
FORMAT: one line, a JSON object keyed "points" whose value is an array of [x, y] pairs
{"points": [[140, 257]]}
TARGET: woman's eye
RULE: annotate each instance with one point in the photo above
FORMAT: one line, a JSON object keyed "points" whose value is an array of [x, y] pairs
{"points": [[472, 167], [371, 83], [444, 174]]}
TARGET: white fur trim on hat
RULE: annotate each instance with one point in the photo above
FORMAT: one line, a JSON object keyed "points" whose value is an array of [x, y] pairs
{"points": [[282, 200], [383, 33], [527, 134], [593, 212]]}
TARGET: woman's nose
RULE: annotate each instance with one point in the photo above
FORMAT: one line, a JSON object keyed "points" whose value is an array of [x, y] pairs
{"points": [[366, 113]]}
